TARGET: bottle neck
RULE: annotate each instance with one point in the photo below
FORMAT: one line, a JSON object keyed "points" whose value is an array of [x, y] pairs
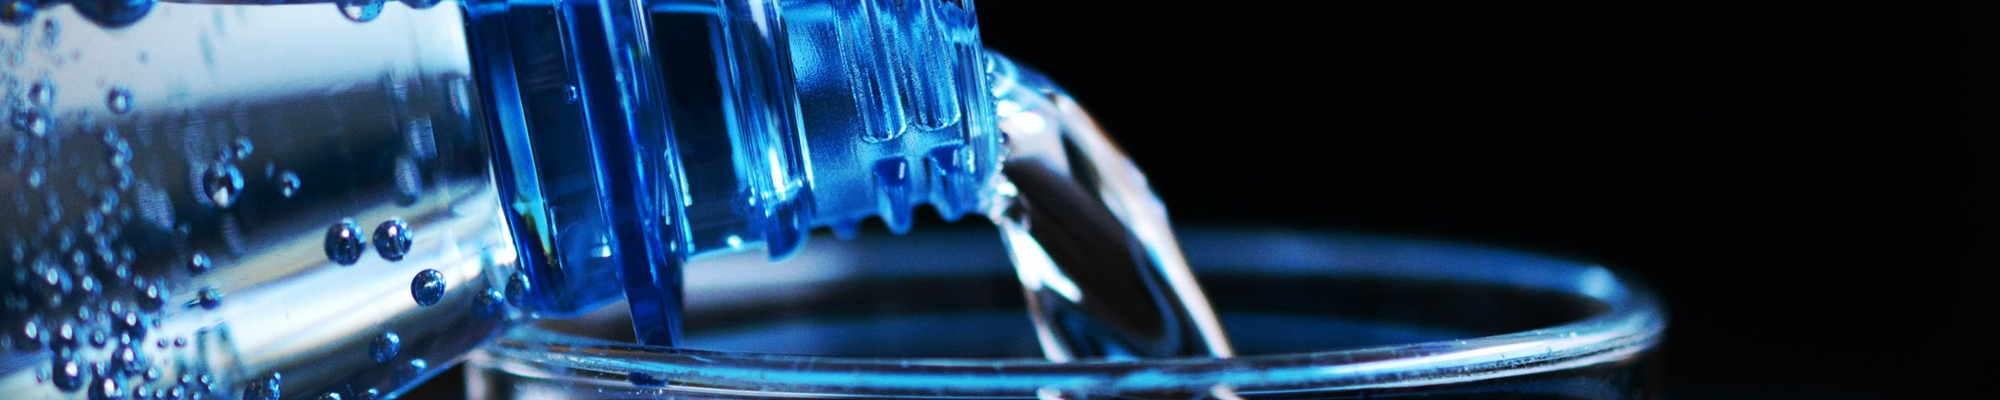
{"points": [[630, 136]]}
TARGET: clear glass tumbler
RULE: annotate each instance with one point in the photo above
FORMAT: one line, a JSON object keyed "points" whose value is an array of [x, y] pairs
{"points": [[939, 316]]}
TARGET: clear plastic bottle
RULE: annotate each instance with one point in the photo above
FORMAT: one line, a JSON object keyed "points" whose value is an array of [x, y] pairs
{"points": [[334, 201]]}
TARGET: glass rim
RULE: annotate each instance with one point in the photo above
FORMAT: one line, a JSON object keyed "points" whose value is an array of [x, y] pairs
{"points": [[1632, 322]]}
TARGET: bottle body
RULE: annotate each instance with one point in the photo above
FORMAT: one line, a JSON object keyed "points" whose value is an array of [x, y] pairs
{"points": [[195, 211], [200, 207]]}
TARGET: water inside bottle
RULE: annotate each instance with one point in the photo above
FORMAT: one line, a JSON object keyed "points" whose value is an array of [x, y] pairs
{"points": [[190, 214]]}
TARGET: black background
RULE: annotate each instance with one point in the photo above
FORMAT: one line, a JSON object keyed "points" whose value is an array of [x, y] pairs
{"points": [[1802, 180]]}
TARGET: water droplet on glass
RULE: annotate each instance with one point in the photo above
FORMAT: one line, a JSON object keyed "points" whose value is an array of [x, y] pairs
{"points": [[127, 359], [385, 347], [392, 239], [119, 100], [207, 299], [242, 148], [288, 183], [198, 263], [360, 10], [223, 183], [428, 287], [421, 4], [343, 242]]}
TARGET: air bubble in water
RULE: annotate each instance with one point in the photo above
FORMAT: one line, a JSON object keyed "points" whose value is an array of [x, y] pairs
{"points": [[360, 10], [488, 304], [413, 369], [223, 183], [330, 396], [571, 94], [428, 287], [35, 177], [118, 152], [207, 299], [264, 389], [68, 374], [392, 239], [198, 263], [31, 121], [113, 13], [517, 289], [288, 183], [343, 242], [15, 12], [42, 94], [242, 148], [119, 100], [106, 388], [385, 347]]}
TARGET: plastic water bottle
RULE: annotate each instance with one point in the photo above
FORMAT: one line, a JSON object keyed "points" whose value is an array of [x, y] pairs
{"points": [[335, 201]]}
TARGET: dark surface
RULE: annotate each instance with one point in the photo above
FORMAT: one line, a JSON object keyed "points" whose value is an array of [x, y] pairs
{"points": [[1801, 179]]}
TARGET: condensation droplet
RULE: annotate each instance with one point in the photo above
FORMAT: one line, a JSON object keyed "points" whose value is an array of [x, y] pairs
{"points": [[385, 346], [288, 183], [343, 242], [223, 183], [392, 239], [428, 287]]}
